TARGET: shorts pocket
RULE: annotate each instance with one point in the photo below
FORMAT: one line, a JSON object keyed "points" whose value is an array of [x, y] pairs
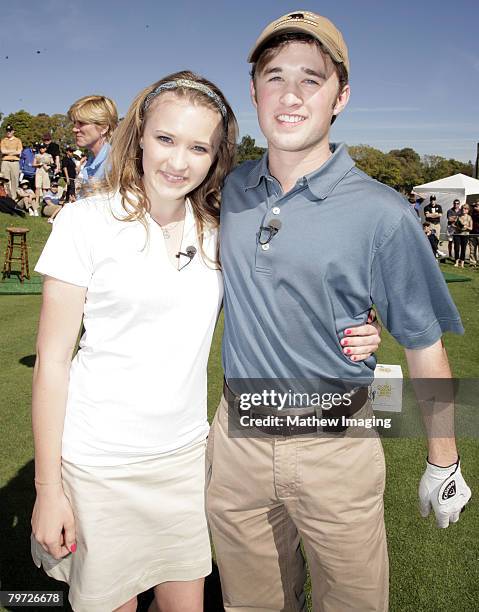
{"points": [[380, 464]]}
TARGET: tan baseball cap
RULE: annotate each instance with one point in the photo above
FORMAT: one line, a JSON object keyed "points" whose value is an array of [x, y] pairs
{"points": [[308, 23]]}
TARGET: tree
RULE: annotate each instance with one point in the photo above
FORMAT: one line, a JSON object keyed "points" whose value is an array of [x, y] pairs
{"points": [[247, 149], [412, 171], [436, 167], [380, 166], [31, 128], [21, 122]]}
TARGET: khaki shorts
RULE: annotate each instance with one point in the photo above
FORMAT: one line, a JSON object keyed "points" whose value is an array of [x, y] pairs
{"points": [[42, 180], [49, 209]]}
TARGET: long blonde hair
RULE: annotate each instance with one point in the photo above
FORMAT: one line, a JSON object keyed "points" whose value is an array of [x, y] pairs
{"points": [[125, 171]]}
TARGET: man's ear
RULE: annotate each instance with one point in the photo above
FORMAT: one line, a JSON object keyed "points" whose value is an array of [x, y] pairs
{"points": [[342, 100], [252, 92]]}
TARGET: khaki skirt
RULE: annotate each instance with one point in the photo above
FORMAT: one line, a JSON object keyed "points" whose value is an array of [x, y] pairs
{"points": [[137, 525]]}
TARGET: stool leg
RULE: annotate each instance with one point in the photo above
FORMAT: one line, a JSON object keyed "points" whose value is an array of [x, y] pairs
{"points": [[24, 259], [22, 264], [7, 265], [27, 267]]}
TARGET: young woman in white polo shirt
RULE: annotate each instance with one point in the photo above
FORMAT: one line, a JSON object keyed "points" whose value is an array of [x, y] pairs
{"points": [[120, 431]]}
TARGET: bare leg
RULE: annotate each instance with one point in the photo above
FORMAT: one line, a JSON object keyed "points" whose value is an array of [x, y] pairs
{"points": [[129, 606], [178, 596], [153, 607]]}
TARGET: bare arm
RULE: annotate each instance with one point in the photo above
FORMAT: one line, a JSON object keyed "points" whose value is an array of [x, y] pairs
{"points": [[432, 363], [60, 320]]}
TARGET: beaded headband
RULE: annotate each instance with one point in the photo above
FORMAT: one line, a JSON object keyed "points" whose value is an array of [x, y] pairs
{"points": [[189, 85]]}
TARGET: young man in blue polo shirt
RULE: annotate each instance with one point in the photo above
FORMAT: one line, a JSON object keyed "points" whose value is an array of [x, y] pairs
{"points": [[308, 244]]}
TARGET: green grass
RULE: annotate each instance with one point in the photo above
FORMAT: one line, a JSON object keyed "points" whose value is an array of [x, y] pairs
{"points": [[431, 570]]}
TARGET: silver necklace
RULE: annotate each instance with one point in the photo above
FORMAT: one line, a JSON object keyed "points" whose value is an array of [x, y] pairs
{"points": [[167, 229]]}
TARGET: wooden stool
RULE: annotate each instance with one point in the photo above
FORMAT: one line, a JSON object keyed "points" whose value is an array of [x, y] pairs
{"points": [[17, 239]]}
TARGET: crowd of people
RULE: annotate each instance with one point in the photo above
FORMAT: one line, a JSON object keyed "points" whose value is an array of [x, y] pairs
{"points": [[462, 229], [37, 180]]}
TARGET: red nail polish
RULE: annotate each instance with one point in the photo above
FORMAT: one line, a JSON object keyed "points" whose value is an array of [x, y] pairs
{"points": [[344, 342], [347, 332], [348, 351], [73, 548], [353, 358]]}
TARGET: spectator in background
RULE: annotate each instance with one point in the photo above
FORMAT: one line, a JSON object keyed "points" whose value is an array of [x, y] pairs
{"points": [[474, 236], [79, 159], [452, 215], [415, 202], [11, 148], [433, 214], [7, 204], [461, 237], [94, 119], [69, 172], [54, 150], [431, 236], [52, 202], [43, 163], [27, 198], [27, 168]]}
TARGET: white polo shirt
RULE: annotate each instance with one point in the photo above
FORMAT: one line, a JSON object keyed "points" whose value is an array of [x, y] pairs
{"points": [[138, 383]]}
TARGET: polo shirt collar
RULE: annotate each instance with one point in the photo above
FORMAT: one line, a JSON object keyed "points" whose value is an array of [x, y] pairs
{"points": [[259, 171], [94, 162], [321, 181]]}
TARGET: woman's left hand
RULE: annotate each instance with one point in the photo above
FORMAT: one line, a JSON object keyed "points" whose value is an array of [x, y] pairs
{"points": [[361, 342]]}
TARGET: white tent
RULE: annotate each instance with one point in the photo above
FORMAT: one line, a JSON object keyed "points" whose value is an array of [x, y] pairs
{"points": [[458, 186]]}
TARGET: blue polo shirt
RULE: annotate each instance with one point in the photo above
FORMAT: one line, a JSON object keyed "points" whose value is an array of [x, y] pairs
{"points": [[346, 242]]}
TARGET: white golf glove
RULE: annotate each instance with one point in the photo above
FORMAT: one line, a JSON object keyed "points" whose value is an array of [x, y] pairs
{"points": [[445, 490]]}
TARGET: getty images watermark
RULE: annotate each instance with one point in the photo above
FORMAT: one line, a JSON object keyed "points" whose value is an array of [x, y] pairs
{"points": [[391, 407], [285, 411]]}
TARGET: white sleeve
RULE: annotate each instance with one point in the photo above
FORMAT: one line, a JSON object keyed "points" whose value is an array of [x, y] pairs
{"points": [[67, 255]]}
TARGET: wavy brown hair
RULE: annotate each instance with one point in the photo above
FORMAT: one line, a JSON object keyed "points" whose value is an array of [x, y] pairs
{"points": [[125, 173]]}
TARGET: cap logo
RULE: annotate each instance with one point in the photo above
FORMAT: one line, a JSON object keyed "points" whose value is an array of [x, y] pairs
{"points": [[294, 17]]}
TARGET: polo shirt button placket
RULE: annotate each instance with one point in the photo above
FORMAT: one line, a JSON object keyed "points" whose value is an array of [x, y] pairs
{"points": [[276, 210], [265, 247]]}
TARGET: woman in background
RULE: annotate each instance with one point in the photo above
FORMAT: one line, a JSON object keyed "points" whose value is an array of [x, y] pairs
{"points": [[94, 120], [461, 237]]}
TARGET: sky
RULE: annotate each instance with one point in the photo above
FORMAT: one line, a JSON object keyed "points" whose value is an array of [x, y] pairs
{"points": [[414, 64]]}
